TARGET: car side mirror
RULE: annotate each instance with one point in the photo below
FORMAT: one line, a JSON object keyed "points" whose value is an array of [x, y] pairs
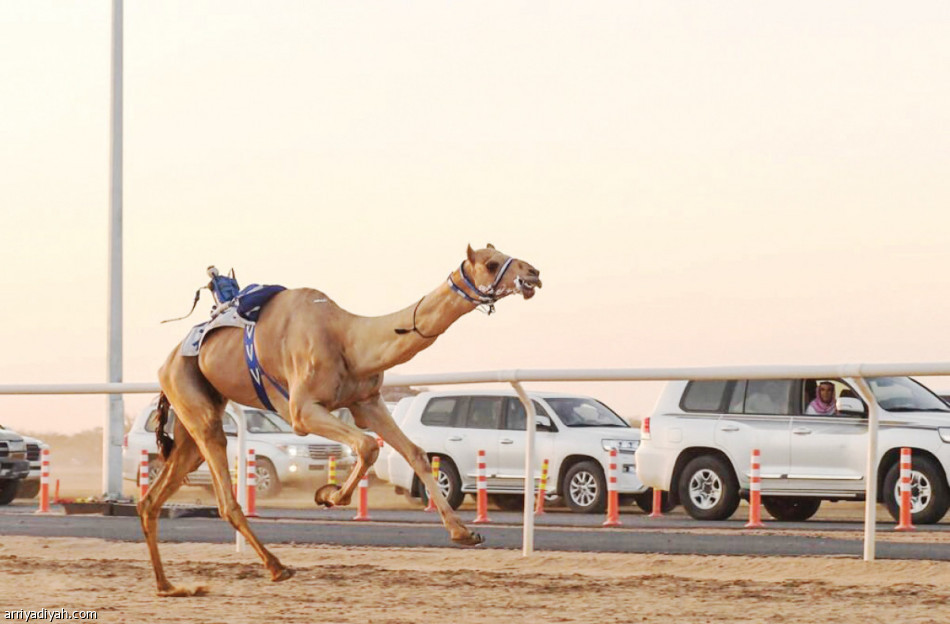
{"points": [[542, 421], [850, 405]]}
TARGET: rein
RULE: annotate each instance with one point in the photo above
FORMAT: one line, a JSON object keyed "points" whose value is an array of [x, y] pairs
{"points": [[483, 300]]}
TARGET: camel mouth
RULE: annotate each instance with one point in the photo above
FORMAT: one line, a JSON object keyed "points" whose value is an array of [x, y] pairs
{"points": [[528, 288]]}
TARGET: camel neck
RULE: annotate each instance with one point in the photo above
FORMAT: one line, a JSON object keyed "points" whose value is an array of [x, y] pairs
{"points": [[375, 344]]}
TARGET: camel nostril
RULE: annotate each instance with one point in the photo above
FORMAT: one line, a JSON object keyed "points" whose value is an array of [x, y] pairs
{"points": [[534, 272]]}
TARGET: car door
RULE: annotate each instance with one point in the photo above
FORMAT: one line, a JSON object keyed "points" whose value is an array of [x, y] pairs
{"points": [[480, 431], [759, 416], [828, 452], [511, 444]]}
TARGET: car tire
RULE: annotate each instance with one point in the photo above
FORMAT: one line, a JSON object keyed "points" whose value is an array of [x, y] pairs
{"points": [[708, 490], [644, 501], [507, 502], [449, 482], [28, 489], [8, 490], [929, 497], [585, 488], [791, 508], [268, 483]]}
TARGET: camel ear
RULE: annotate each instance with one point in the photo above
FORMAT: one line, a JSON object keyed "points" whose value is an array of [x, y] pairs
{"points": [[490, 246], [471, 254]]}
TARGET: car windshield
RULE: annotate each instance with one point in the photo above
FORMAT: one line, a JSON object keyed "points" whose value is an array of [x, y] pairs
{"points": [[575, 412], [265, 422], [903, 394]]}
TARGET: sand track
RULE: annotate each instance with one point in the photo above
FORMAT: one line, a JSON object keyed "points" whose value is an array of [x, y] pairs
{"points": [[403, 586]]}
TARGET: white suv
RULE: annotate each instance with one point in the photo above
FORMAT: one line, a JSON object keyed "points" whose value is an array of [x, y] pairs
{"points": [[698, 442], [574, 433], [283, 457]]}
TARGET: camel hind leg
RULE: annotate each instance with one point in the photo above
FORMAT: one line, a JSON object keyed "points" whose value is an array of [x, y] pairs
{"points": [[214, 448], [183, 459], [200, 409]]}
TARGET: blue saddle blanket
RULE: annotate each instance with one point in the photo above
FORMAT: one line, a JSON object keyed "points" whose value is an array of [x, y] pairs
{"points": [[244, 311], [251, 300]]}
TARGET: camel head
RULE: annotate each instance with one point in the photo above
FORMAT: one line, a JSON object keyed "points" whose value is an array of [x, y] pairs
{"points": [[497, 275]]}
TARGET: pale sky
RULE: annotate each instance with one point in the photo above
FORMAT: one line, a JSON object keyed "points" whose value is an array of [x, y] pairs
{"points": [[699, 183]]}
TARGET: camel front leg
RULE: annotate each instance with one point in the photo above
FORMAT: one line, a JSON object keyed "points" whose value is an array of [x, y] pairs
{"points": [[374, 414], [311, 417]]}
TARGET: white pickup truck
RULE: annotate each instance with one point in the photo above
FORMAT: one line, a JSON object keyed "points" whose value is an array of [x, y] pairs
{"points": [[697, 444]]}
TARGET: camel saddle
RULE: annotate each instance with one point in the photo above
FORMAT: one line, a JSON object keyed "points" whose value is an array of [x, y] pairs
{"points": [[242, 311]]}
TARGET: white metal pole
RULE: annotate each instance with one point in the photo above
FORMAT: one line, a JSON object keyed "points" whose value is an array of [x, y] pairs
{"points": [[527, 546], [870, 472], [115, 421], [239, 542]]}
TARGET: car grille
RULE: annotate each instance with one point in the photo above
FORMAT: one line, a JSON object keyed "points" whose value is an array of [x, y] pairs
{"points": [[4, 449], [323, 451], [33, 452]]}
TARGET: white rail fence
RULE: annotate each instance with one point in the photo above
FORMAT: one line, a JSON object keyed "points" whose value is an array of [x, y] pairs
{"points": [[515, 377]]}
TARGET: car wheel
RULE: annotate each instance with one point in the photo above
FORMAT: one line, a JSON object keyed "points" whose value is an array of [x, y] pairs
{"points": [[268, 483], [791, 508], [645, 501], [929, 498], [8, 491], [28, 489], [707, 489], [585, 488], [508, 502], [449, 483]]}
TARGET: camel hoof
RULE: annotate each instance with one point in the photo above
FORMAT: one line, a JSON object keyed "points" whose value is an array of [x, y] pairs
{"points": [[322, 495], [283, 575], [472, 539], [183, 592]]}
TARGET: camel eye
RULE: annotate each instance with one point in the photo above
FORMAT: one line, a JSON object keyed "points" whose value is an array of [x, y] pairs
{"points": [[492, 266]]}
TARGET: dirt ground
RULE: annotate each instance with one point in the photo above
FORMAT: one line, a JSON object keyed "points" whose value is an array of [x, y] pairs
{"points": [[387, 585], [391, 585]]}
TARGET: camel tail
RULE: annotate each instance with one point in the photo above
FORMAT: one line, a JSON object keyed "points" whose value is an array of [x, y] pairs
{"points": [[165, 441]]}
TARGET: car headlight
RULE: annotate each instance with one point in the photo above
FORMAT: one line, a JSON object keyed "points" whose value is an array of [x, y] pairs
{"points": [[944, 434], [622, 446], [295, 450]]}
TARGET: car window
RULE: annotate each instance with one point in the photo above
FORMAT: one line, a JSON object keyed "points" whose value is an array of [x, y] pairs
{"points": [[703, 396], [151, 424], [265, 422], [484, 413], [903, 394], [581, 412], [737, 397], [515, 416], [230, 427], [444, 412], [769, 396], [809, 392]]}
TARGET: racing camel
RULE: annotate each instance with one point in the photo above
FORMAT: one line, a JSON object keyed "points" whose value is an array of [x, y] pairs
{"points": [[324, 358]]}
